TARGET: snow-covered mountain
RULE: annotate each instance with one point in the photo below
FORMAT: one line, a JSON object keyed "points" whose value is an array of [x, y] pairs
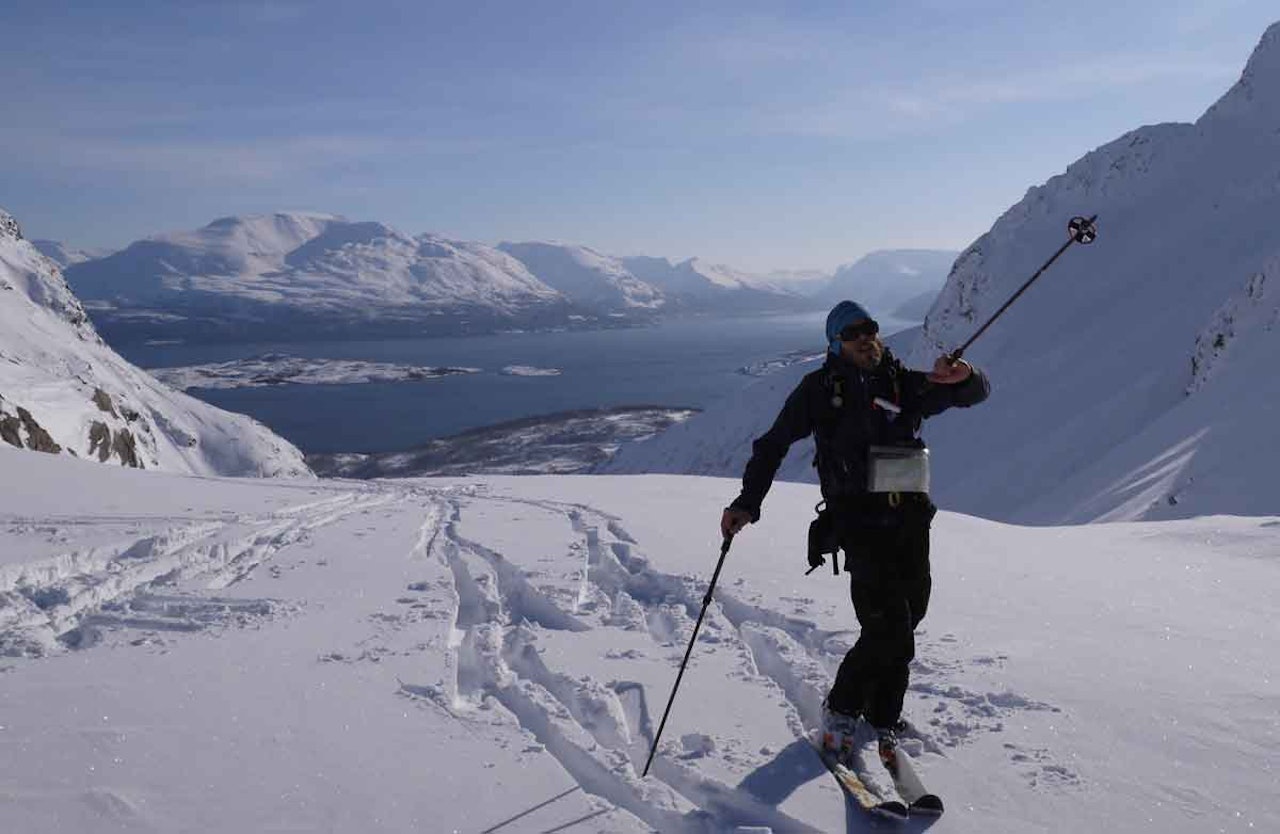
{"points": [[310, 275], [64, 255], [1136, 378], [802, 281], [63, 390], [700, 285], [586, 276], [299, 275], [890, 282]]}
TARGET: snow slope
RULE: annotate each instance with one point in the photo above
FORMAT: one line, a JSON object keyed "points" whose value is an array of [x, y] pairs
{"points": [[63, 390], [586, 276], [64, 255], [700, 285], [1135, 379], [1097, 360], [188, 654]]}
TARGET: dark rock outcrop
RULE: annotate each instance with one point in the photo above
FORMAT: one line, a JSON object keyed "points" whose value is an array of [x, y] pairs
{"points": [[37, 439]]}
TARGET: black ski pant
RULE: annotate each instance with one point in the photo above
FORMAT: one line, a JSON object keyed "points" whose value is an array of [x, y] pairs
{"points": [[888, 563]]}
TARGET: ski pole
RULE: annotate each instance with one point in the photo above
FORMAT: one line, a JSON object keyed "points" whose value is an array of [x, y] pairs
{"points": [[1080, 230], [724, 551], [529, 811]]}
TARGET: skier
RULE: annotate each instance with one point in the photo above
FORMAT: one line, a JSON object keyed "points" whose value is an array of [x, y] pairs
{"points": [[864, 409]]}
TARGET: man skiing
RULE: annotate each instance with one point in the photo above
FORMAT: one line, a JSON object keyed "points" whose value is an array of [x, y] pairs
{"points": [[864, 409]]}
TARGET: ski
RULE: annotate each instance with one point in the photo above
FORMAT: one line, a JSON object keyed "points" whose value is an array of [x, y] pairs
{"points": [[853, 786], [906, 781]]}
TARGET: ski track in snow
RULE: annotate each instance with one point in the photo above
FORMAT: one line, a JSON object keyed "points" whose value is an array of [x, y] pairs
{"points": [[155, 583], [164, 581], [600, 732]]}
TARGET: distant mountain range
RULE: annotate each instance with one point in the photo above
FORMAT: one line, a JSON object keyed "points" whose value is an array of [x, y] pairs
{"points": [[63, 391], [306, 276], [1137, 378], [310, 276], [895, 283], [299, 276], [64, 255]]}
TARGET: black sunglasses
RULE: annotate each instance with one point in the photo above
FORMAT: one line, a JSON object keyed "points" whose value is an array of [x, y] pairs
{"points": [[866, 327]]}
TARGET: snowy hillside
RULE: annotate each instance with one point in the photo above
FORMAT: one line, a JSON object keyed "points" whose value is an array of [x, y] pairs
{"points": [[1135, 379], [586, 276], [802, 281], [64, 255], [309, 274], [1136, 374], [63, 390], [187, 654], [886, 280], [700, 285]]}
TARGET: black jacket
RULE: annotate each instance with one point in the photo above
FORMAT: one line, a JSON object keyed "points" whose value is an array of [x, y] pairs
{"points": [[844, 432]]}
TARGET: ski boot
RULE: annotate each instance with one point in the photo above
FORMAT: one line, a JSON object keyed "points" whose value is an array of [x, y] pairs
{"points": [[887, 746], [838, 732]]}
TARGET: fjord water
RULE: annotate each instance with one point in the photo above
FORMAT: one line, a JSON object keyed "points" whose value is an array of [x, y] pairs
{"points": [[687, 362]]}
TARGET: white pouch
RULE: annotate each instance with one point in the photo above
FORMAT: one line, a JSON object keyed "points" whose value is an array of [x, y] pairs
{"points": [[898, 469]]}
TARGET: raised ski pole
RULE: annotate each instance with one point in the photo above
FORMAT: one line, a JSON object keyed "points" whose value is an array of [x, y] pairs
{"points": [[724, 551], [1080, 230]]}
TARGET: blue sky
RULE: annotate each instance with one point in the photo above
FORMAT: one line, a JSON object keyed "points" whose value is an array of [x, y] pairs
{"points": [[763, 135]]}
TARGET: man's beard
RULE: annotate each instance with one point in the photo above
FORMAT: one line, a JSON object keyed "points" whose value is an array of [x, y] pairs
{"points": [[866, 359]]}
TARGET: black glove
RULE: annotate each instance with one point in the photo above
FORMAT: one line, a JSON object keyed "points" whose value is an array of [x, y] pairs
{"points": [[816, 560]]}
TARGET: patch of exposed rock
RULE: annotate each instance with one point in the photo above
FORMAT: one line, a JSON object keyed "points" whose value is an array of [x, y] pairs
{"points": [[104, 443], [12, 427]]}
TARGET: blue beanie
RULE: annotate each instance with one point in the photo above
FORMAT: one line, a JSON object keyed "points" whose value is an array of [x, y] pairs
{"points": [[841, 316]]}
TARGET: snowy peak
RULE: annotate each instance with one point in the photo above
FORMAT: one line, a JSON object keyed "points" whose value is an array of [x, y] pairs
{"points": [[717, 275], [9, 229], [699, 284], [892, 283], [264, 234], [362, 237], [37, 279], [585, 275], [255, 242], [1257, 94], [64, 255], [227, 247]]}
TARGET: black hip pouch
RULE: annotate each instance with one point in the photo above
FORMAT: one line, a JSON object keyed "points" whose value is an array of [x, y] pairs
{"points": [[824, 539]]}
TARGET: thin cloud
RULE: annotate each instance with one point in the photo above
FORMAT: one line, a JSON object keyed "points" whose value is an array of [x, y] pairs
{"points": [[197, 161], [862, 111]]}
